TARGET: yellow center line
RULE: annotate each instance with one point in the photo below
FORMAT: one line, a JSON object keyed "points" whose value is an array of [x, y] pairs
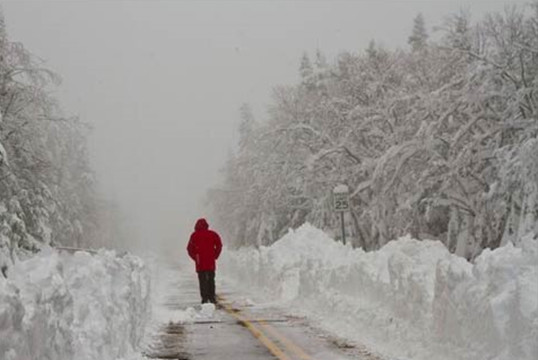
{"points": [[259, 334], [288, 343], [271, 346]]}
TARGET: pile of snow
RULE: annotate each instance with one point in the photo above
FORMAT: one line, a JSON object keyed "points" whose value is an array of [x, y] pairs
{"points": [[165, 315], [81, 306], [411, 299]]}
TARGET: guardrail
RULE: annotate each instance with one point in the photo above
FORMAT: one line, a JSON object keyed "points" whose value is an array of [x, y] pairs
{"points": [[91, 251], [74, 249]]}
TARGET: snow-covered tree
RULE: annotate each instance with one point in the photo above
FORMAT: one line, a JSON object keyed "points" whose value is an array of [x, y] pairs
{"points": [[46, 185], [419, 35], [439, 143]]}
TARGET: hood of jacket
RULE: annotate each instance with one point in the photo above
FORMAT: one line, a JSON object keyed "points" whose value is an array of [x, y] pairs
{"points": [[201, 224]]}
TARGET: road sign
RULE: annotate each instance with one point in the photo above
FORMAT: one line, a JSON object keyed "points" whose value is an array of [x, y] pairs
{"points": [[341, 205], [341, 202], [341, 198]]}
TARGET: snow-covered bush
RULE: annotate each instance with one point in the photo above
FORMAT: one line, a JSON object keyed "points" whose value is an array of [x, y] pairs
{"points": [[81, 306], [411, 298]]}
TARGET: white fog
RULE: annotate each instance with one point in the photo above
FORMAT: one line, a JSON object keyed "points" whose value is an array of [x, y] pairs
{"points": [[269, 179]]}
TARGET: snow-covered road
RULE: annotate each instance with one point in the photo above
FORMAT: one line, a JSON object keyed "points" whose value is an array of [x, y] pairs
{"points": [[238, 329]]}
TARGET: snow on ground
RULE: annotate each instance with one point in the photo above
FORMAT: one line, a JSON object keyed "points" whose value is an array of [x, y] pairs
{"points": [[170, 307], [73, 306], [409, 300], [166, 292]]}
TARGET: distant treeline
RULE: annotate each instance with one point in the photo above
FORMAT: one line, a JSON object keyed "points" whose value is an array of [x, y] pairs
{"points": [[439, 141], [47, 190]]}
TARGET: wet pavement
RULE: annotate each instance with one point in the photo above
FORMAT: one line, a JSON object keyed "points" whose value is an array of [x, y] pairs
{"points": [[241, 330]]}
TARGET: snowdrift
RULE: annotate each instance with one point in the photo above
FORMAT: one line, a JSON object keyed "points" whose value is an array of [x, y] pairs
{"points": [[411, 299], [81, 306]]}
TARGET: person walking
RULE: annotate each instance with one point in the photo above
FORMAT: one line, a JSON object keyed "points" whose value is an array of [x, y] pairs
{"points": [[204, 248]]}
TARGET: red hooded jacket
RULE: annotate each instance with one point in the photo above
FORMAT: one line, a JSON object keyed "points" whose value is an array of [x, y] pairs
{"points": [[204, 246]]}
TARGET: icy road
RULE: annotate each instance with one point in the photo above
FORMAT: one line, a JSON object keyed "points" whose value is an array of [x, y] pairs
{"points": [[237, 329]]}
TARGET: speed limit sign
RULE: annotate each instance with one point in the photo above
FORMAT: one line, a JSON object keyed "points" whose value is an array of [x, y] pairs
{"points": [[341, 205], [341, 198]]}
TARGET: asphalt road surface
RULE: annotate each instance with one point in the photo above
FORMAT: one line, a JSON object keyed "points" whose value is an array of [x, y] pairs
{"points": [[241, 330]]}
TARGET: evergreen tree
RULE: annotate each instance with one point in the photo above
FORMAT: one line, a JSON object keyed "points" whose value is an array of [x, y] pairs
{"points": [[419, 35], [306, 71], [246, 126]]}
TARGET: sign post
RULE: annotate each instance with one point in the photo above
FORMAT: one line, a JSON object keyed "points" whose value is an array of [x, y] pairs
{"points": [[341, 205]]}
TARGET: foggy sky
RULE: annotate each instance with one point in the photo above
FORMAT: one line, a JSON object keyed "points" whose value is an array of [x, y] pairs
{"points": [[162, 81]]}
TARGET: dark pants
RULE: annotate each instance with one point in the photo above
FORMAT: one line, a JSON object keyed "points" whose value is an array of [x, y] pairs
{"points": [[207, 286]]}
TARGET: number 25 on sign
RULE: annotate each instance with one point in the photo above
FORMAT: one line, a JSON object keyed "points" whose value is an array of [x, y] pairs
{"points": [[341, 205], [340, 202]]}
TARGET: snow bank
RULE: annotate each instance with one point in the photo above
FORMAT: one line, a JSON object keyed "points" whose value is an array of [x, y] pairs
{"points": [[412, 299], [81, 306]]}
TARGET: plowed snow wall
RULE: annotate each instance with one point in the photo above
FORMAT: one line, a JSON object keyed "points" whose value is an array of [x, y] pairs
{"points": [[411, 298], [81, 306]]}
